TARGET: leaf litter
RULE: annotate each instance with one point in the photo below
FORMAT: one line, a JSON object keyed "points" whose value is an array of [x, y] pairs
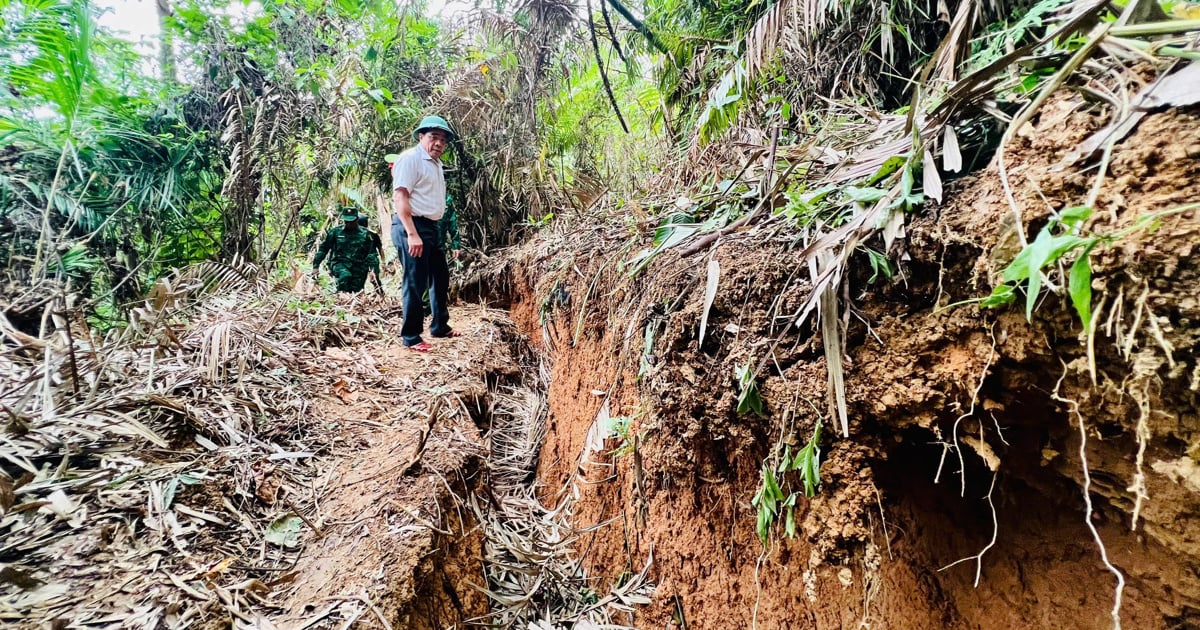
{"points": [[159, 475]]}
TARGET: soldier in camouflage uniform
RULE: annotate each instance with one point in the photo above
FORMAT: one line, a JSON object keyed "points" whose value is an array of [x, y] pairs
{"points": [[349, 248]]}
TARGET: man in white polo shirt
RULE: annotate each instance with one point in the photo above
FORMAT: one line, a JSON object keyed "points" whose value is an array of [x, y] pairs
{"points": [[419, 194]]}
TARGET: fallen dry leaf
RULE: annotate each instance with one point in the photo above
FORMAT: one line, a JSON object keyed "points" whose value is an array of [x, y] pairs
{"points": [[266, 483]]}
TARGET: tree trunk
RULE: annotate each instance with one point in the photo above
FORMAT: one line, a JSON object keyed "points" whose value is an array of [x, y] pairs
{"points": [[166, 43]]}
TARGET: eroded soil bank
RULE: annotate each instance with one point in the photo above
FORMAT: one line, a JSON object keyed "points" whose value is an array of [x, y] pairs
{"points": [[965, 424]]}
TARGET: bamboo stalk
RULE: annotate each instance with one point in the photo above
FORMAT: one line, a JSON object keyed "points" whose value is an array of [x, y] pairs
{"points": [[1167, 27], [1155, 48]]}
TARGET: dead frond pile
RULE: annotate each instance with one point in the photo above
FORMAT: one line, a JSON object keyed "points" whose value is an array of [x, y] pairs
{"points": [[535, 574], [158, 477]]}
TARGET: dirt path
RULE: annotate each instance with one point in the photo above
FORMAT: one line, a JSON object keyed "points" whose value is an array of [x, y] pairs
{"points": [[391, 542]]}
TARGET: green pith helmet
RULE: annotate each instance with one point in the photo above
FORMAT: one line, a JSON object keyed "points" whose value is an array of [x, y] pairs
{"points": [[434, 122], [349, 213]]}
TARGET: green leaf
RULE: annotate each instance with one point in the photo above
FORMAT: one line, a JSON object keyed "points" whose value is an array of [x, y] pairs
{"points": [[284, 531], [812, 472], [1028, 84], [765, 518], [879, 265], [1079, 285], [789, 521], [1075, 216], [864, 194], [907, 180], [1018, 269], [889, 166], [1039, 253], [1002, 295], [772, 493], [748, 398], [808, 462], [785, 464]]}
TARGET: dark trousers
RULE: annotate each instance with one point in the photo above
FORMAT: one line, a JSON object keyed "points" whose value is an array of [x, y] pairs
{"points": [[427, 270], [349, 280]]}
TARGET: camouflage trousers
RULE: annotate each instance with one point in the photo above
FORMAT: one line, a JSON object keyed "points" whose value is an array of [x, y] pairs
{"points": [[349, 279]]}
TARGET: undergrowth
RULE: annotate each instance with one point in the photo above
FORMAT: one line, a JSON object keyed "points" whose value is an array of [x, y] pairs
{"points": [[772, 501]]}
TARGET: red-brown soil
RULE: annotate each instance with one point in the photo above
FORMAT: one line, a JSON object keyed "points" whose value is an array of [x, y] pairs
{"points": [[874, 543]]}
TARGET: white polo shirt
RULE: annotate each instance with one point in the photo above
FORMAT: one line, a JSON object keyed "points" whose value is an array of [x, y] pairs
{"points": [[422, 176]]}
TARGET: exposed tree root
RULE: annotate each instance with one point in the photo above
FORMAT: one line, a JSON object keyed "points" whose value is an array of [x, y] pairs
{"points": [[978, 558], [1087, 499]]}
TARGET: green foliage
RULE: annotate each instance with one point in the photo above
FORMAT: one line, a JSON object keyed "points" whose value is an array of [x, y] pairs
{"points": [[880, 265], [647, 359], [771, 500], [1062, 237], [105, 185], [808, 463], [803, 206], [675, 229], [541, 221], [583, 141], [748, 397], [1056, 240], [279, 105], [1009, 33], [618, 427], [724, 102], [767, 502]]}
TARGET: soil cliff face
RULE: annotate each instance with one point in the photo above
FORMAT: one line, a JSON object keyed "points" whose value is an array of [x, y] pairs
{"points": [[965, 424]]}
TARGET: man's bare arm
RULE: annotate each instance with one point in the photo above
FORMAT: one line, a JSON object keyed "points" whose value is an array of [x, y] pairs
{"points": [[403, 205]]}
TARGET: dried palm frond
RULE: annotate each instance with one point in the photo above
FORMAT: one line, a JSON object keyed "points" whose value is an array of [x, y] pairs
{"points": [[535, 577], [115, 430], [763, 40]]}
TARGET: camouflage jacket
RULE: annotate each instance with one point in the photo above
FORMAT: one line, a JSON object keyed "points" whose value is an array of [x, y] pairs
{"points": [[348, 252]]}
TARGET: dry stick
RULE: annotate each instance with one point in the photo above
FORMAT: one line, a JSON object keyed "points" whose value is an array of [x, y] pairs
{"points": [[1125, 113], [316, 530], [416, 457], [1027, 113], [707, 240], [765, 184], [75, 365], [1087, 499], [45, 235], [292, 220], [612, 99]]}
